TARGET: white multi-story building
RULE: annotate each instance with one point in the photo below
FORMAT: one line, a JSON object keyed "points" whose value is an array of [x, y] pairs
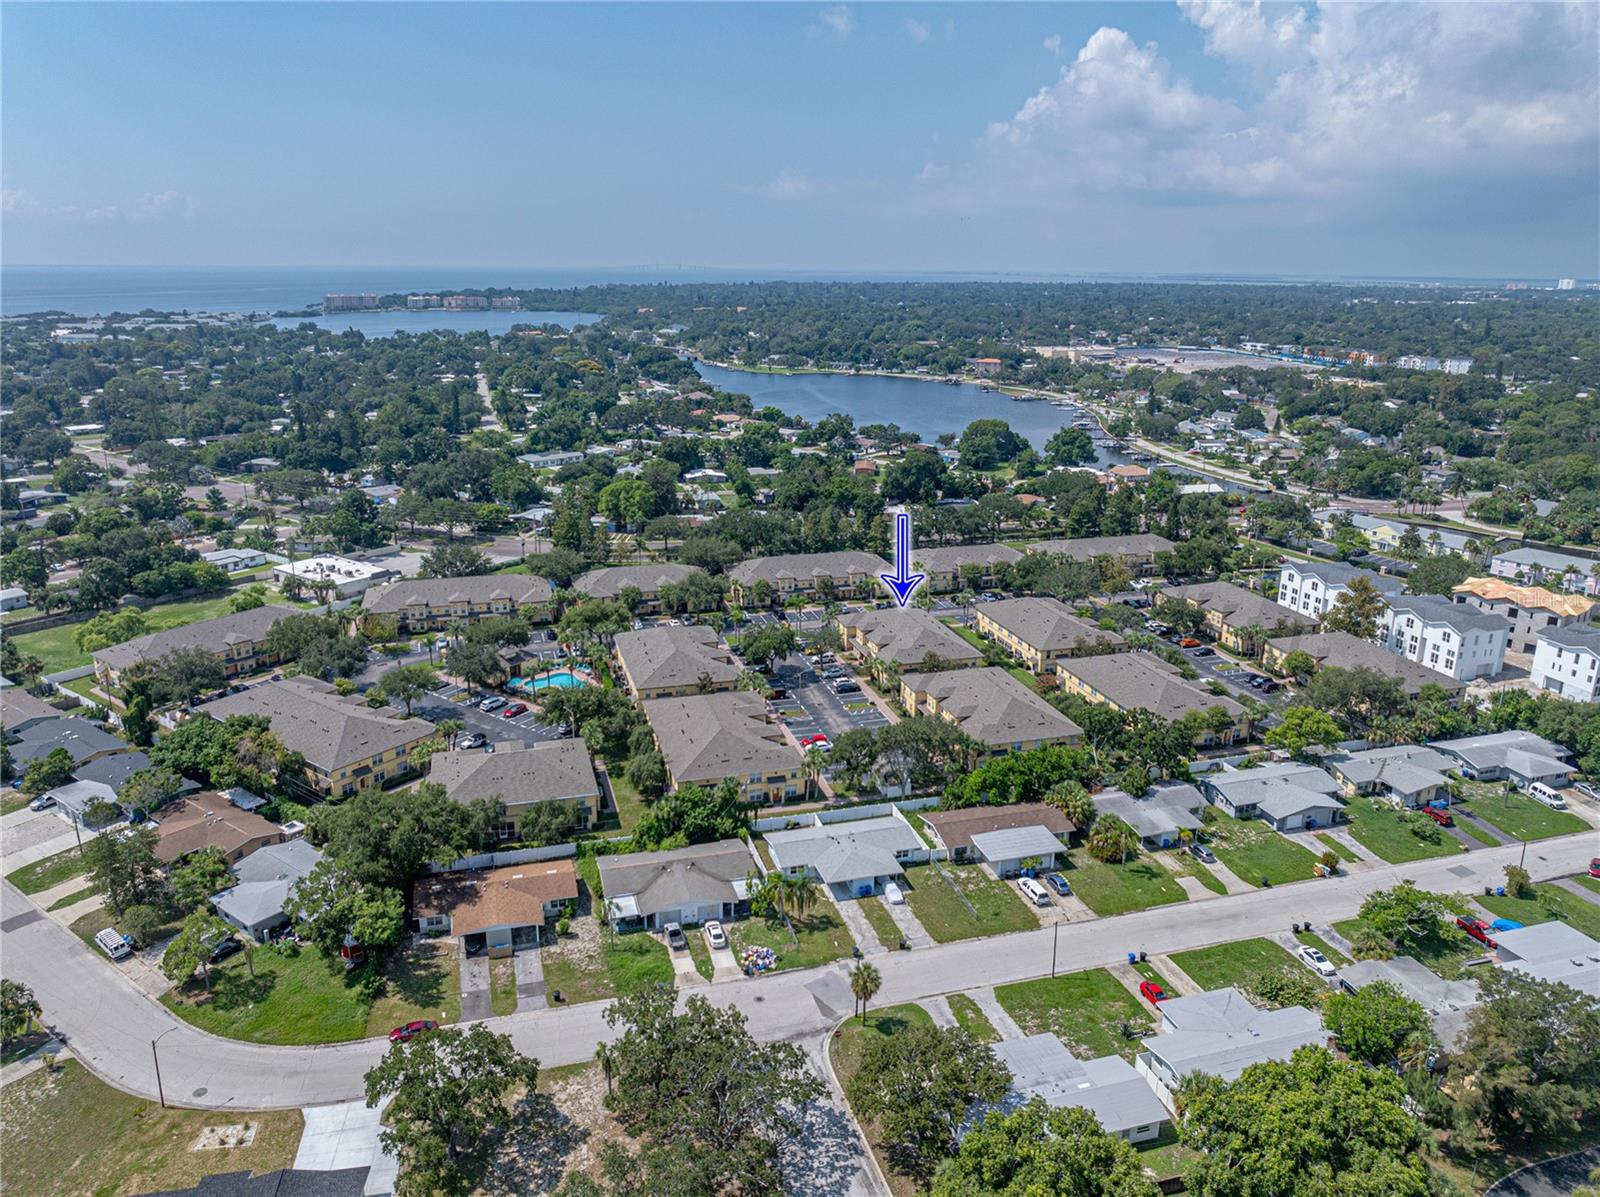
{"points": [[1417, 361], [1566, 661], [349, 301], [1312, 587], [1458, 365], [1566, 284], [1449, 638]]}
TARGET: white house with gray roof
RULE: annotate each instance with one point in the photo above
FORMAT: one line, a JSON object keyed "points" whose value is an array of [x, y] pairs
{"points": [[1108, 1087], [662, 662], [1566, 661], [1313, 587], [1221, 1032], [648, 890], [1411, 774], [1288, 796], [1160, 816], [1553, 951], [262, 884], [1518, 756], [1451, 638], [1448, 1003], [1542, 566], [853, 858]]}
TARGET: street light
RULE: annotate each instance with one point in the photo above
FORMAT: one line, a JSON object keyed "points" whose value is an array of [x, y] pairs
{"points": [[160, 1092]]}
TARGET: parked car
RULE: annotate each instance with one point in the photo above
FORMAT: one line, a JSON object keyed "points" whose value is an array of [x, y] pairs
{"points": [[493, 703], [42, 802], [1152, 992], [1202, 853], [1058, 883], [817, 741], [1189, 642], [1033, 891], [1588, 790], [778, 692], [113, 945], [846, 687], [224, 948], [1204, 652], [1442, 817], [411, 1030], [1477, 928], [1594, 867], [472, 740], [1316, 961], [1268, 686], [675, 936], [515, 709], [715, 935], [1542, 793], [893, 894]]}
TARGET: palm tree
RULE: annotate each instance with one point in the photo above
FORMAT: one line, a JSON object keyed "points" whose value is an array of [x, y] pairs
{"points": [[865, 981], [450, 729], [966, 598], [801, 894], [815, 763]]}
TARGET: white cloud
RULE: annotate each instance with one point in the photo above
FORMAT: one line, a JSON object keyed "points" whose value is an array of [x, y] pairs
{"points": [[1052, 44], [788, 184], [1341, 100], [16, 202], [838, 20], [917, 31]]}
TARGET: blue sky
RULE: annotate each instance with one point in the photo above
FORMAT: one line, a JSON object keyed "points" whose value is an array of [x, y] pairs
{"points": [[1400, 139]]}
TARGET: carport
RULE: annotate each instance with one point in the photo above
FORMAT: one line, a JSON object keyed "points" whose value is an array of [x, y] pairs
{"points": [[1006, 849]]}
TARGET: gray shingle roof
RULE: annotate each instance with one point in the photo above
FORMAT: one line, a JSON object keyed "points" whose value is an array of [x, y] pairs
{"points": [[1087, 548], [287, 1182], [1164, 811], [662, 657], [1221, 1033], [1140, 681], [79, 737], [1340, 573], [953, 557], [1277, 790], [217, 635], [706, 737], [521, 589], [1047, 624], [291, 861], [1108, 1087], [610, 581], [1435, 608], [851, 850], [806, 567], [309, 718], [658, 881], [1575, 637], [1343, 651], [552, 771], [904, 636], [1519, 751], [1405, 767], [993, 707], [1240, 608]]}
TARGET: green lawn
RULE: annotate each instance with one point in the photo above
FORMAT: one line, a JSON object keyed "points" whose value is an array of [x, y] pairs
{"points": [[1118, 888], [883, 926], [295, 997], [1312, 939], [635, 962], [1589, 883], [971, 1019], [1337, 847], [1165, 1156], [502, 986], [1552, 902], [939, 908], [1517, 815], [422, 982], [1232, 963], [1091, 1012], [1182, 862], [699, 952], [822, 934], [69, 1134], [630, 804], [58, 647], [844, 1052], [72, 899], [1387, 834], [1255, 852], [51, 871], [1481, 834]]}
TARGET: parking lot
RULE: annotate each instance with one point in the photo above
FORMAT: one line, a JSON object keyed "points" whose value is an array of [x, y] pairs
{"points": [[443, 704], [812, 706]]}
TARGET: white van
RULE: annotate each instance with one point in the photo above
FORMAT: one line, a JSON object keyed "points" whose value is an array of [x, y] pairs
{"points": [[1540, 792], [1033, 891], [112, 944]]}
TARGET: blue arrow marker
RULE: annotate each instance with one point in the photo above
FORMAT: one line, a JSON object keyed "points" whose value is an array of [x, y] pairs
{"points": [[903, 583]]}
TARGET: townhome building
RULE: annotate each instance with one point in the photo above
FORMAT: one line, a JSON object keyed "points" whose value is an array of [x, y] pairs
{"points": [[663, 662], [706, 739], [553, 771], [1341, 650], [898, 638], [1136, 551], [1313, 587], [238, 641], [1288, 797], [648, 890], [963, 566], [774, 580], [611, 581], [1411, 775], [1038, 631], [1140, 681], [1565, 661], [433, 604], [1454, 639], [1517, 756], [991, 706], [1239, 619], [1532, 610], [347, 745], [1567, 571]]}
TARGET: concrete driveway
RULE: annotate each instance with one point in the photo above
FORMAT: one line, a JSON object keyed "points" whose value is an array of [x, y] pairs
{"points": [[474, 988], [724, 964], [27, 836], [346, 1136], [684, 974]]}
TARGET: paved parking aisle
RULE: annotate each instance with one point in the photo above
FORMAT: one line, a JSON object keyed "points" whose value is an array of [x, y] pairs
{"points": [[475, 988]]}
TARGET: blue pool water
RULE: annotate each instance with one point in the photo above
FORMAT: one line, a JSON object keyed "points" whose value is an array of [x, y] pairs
{"points": [[562, 680]]}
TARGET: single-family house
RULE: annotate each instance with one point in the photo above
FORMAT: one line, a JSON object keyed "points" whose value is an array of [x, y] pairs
{"points": [[20, 710], [1412, 775], [211, 820], [663, 662], [494, 911], [1038, 631], [1448, 1003], [1553, 952], [262, 884], [955, 830], [1221, 1033], [82, 740], [13, 598], [523, 778], [1288, 796], [854, 858], [235, 560], [648, 890], [1160, 816], [1108, 1087], [553, 460], [989, 705]]}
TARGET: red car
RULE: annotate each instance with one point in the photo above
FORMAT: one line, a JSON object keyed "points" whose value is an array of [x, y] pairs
{"points": [[817, 741], [515, 709], [411, 1030], [1152, 992], [1442, 817], [1594, 867], [1478, 929], [1188, 642]]}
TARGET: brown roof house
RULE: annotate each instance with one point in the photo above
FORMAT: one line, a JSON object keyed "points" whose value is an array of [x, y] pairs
{"points": [[495, 910], [212, 820], [959, 830]]}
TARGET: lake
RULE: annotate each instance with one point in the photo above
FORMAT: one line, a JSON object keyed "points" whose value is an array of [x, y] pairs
{"points": [[925, 408], [386, 324]]}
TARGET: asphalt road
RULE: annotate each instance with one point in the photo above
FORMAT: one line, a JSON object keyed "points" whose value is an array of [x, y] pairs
{"points": [[109, 1024]]}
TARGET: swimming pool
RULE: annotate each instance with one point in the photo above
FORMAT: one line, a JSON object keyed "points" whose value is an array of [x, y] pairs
{"points": [[562, 679]]}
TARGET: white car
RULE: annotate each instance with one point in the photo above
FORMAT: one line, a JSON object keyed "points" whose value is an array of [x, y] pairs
{"points": [[491, 704], [715, 935], [1316, 962], [42, 802], [894, 895]]}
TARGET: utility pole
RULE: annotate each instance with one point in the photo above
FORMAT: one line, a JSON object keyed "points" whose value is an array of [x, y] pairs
{"points": [[1055, 943]]}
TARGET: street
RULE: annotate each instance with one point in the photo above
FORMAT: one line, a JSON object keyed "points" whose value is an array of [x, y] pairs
{"points": [[110, 1024]]}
